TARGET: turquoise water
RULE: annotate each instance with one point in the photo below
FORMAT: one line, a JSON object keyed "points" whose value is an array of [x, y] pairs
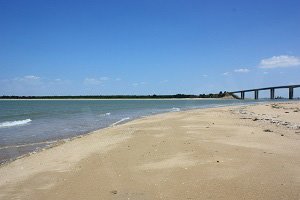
{"points": [[27, 125]]}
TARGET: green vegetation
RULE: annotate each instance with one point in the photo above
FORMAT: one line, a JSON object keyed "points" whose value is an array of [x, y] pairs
{"points": [[177, 96]]}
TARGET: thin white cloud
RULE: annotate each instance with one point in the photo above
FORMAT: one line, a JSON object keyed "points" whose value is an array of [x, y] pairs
{"points": [[28, 78], [226, 74], [57, 81], [279, 62], [104, 78], [164, 81], [138, 84], [33, 85], [95, 81], [242, 70], [204, 75], [32, 77], [92, 81]]}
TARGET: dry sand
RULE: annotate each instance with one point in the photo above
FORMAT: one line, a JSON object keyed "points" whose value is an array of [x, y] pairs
{"points": [[249, 152]]}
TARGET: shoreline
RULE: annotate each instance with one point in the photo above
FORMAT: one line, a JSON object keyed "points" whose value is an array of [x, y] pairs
{"points": [[78, 99], [114, 136], [56, 142], [121, 121]]}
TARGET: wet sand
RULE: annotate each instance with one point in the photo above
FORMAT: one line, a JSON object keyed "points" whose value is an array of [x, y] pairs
{"points": [[244, 152]]}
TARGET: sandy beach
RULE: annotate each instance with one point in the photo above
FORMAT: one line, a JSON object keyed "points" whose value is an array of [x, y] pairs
{"points": [[241, 152]]}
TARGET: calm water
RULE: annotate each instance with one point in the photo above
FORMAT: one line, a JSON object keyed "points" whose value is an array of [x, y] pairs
{"points": [[28, 125]]}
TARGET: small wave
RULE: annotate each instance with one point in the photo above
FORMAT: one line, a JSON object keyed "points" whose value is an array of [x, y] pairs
{"points": [[105, 114], [14, 123], [122, 120], [26, 145], [175, 109]]}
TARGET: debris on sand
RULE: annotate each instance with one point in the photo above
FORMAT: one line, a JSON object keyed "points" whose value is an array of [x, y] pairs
{"points": [[267, 130], [114, 192]]}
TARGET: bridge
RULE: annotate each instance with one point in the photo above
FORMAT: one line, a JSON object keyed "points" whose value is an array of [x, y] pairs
{"points": [[272, 91]]}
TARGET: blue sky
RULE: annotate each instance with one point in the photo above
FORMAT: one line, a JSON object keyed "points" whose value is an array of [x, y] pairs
{"points": [[147, 46]]}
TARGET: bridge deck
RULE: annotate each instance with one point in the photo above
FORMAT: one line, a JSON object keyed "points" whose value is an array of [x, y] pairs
{"points": [[268, 88]]}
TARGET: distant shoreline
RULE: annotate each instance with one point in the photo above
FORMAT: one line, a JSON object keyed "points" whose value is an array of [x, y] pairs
{"points": [[107, 97], [115, 99]]}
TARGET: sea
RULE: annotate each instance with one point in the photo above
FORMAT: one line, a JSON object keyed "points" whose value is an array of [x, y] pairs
{"points": [[27, 126]]}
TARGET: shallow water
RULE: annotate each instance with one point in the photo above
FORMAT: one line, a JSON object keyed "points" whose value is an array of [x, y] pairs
{"points": [[26, 125]]}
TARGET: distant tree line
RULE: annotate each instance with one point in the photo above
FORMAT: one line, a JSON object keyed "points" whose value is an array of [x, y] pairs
{"points": [[219, 95], [154, 96]]}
